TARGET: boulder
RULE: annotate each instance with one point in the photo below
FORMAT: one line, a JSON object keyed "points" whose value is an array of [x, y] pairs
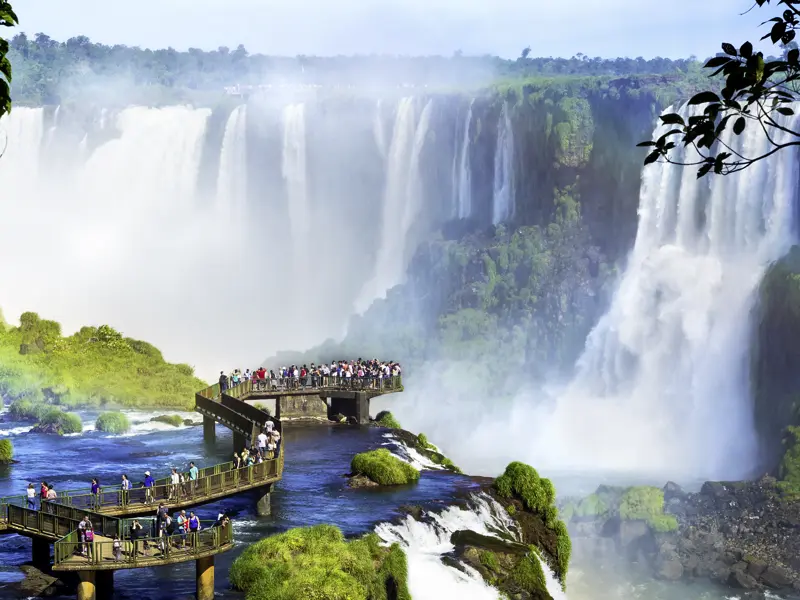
{"points": [[755, 567], [50, 428], [673, 490], [776, 578], [740, 580], [361, 481], [669, 567]]}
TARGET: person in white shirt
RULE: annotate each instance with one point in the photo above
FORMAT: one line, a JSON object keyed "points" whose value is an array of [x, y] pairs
{"points": [[262, 443], [175, 481], [31, 491]]}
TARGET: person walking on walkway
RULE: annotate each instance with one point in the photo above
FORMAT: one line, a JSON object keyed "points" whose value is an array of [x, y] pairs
{"points": [[31, 491], [95, 492], [193, 473], [183, 526], [174, 483], [126, 488], [149, 482]]}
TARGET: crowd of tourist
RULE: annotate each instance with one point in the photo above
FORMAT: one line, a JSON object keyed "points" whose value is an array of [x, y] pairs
{"points": [[370, 372]]}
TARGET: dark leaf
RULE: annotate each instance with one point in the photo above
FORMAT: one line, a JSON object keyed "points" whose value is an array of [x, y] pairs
{"points": [[652, 157], [717, 61], [672, 119], [738, 126], [645, 144], [702, 171], [787, 37], [704, 97], [788, 16], [792, 56], [785, 111], [777, 31], [746, 50], [729, 48]]}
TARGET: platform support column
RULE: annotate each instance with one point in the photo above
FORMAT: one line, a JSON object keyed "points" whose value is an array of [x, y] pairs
{"points": [[40, 554], [105, 584], [239, 442], [87, 590], [205, 578], [362, 408], [264, 504], [209, 429]]}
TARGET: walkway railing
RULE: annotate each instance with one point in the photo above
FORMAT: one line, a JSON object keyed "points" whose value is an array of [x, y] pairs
{"points": [[311, 383], [212, 482], [139, 552]]}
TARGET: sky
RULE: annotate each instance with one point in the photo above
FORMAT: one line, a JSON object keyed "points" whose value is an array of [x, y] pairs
{"points": [[606, 28]]}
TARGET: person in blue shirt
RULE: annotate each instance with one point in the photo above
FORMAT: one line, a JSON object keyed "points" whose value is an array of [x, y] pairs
{"points": [[149, 482], [96, 492], [193, 473]]}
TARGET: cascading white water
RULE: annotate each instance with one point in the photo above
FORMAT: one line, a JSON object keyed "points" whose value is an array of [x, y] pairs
{"points": [[503, 196], [232, 177], [662, 386], [426, 542], [462, 183], [378, 129], [402, 201], [293, 166]]}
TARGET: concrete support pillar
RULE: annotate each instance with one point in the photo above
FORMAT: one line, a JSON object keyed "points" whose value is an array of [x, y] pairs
{"points": [[278, 408], [264, 504], [87, 590], [105, 585], [40, 554], [362, 408], [209, 429], [239, 442], [205, 578]]}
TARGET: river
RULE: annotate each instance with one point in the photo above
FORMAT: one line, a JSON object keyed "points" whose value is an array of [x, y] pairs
{"points": [[313, 491]]}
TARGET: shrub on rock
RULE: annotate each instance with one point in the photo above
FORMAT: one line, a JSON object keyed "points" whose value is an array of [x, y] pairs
{"points": [[384, 468], [646, 503], [318, 563], [386, 419], [6, 451], [27, 410], [113, 422], [58, 421], [174, 420]]}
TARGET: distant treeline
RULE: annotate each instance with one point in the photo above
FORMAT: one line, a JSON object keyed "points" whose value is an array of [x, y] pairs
{"points": [[47, 71]]}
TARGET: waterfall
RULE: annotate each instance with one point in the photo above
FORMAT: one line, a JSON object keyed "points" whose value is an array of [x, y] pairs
{"points": [[426, 542], [232, 176], [402, 201], [462, 181], [293, 167], [378, 129], [662, 386], [21, 134], [503, 197]]}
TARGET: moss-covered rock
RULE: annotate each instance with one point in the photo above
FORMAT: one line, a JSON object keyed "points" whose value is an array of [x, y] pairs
{"points": [[6, 451], [174, 420], [113, 422], [646, 503], [59, 422], [386, 419], [317, 563], [26, 409], [533, 499], [382, 467]]}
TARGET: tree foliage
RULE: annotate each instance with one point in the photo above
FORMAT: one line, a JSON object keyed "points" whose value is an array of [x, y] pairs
{"points": [[94, 366], [7, 19], [754, 92]]}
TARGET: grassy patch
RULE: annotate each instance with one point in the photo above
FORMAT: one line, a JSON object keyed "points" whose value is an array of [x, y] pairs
{"points": [[790, 465], [528, 574], [592, 506], [382, 467], [113, 422], [386, 419], [174, 420], [317, 563], [6, 451]]}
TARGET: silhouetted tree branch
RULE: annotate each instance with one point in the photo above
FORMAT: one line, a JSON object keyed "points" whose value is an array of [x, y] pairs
{"points": [[755, 90]]}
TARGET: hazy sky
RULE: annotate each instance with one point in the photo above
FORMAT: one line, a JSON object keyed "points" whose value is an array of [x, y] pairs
{"points": [[605, 28]]}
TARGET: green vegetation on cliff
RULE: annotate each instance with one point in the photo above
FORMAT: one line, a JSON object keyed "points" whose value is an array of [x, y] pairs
{"points": [[6, 451], [383, 467], [113, 422], [790, 465], [7, 19], [318, 563], [95, 366], [647, 503], [538, 496]]}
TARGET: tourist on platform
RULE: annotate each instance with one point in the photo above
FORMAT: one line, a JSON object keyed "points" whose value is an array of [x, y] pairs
{"points": [[126, 488], [148, 484], [43, 491], [174, 484], [137, 533], [89, 537], [193, 474], [51, 493], [223, 381], [194, 527], [183, 526], [275, 436], [95, 492], [262, 443], [31, 491], [237, 462], [83, 526], [117, 546]]}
